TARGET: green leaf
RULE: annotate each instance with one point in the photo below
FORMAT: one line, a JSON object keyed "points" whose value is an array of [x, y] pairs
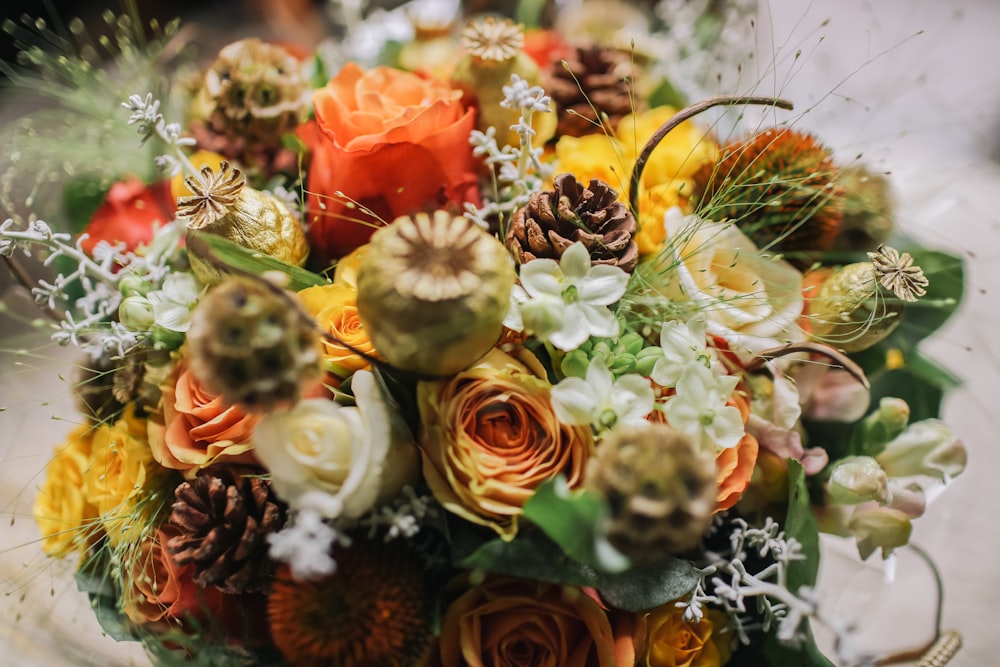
{"points": [[243, 260], [574, 520], [800, 523], [644, 587], [94, 579], [529, 12], [531, 555], [923, 397]]}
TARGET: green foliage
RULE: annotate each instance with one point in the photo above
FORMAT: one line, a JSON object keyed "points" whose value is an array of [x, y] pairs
{"points": [[243, 260]]}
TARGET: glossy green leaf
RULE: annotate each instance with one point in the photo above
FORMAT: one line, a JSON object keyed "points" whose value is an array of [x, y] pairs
{"points": [[243, 260], [800, 523], [644, 587], [574, 520]]}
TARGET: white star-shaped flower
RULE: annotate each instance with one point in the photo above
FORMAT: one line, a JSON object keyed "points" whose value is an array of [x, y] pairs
{"points": [[682, 343], [602, 401], [568, 302], [699, 408]]}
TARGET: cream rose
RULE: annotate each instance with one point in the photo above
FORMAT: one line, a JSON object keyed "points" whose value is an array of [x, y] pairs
{"points": [[749, 298], [336, 460]]}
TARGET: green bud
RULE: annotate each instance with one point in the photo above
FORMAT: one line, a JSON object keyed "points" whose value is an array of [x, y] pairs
{"points": [[575, 363], [879, 528], [165, 339], [876, 430], [134, 286], [858, 479], [927, 447], [631, 343], [623, 363], [136, 312], [602, 350], [646, 359]]}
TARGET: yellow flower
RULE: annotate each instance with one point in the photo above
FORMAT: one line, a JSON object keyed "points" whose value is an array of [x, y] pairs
{"points": [[120, 461], [346, 272], [666, 178], [335, 308], [61, 510], [664, 639]]}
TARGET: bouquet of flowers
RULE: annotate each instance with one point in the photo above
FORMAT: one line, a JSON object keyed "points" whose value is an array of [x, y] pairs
{"points": [[480, 352]]}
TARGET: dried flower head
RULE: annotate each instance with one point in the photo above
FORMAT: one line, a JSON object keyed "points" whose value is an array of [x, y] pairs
{"points": [[897, 273], [213, 195], [489, 38]]}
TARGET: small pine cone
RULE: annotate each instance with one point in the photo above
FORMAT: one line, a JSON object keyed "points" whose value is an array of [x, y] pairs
{"points": [[593, 78], [251, 343], [225, 515], [555, 219], [660, 490], [780, 187]]}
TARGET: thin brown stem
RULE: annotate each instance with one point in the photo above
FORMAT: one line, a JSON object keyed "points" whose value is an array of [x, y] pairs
{"points": [[840, 359], [680, 117]]}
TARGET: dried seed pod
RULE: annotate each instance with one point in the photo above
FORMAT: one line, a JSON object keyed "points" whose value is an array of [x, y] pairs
{"points": [[433, 291], [850, 310]]}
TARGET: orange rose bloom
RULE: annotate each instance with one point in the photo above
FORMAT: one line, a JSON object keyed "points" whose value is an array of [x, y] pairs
{"points": [[335, 308], [159, 589], [507, 622], [198, 427], [664, 639], [391, 141], [490, 438]]}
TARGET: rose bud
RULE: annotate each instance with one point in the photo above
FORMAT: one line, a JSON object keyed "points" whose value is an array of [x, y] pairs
{"points": [[858, 479], [926, 448], [879, 528]]}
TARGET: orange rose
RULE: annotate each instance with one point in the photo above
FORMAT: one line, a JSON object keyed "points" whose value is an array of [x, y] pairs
{"points": [[198, 427], [390, 141], [506, 622], [335, 308], [664, 639], [490, 437], [159, 590], [130, 213]]}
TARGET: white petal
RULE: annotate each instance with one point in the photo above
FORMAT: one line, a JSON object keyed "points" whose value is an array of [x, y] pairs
{"points": [[575, 262], [574, 401], [541, 277], [633, 398], [603, 285], [600, 379], [599, 321], [726, 430]]}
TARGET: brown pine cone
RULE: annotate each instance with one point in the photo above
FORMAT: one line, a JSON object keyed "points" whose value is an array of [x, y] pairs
{"points": [[225, 515], [555, 219], [593, 78]]}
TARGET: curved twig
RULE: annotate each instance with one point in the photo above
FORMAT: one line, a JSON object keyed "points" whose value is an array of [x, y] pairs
{"points": [[840, 359], [680, 117]]}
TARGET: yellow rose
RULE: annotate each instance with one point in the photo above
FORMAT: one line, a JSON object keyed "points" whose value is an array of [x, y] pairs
{"points": [[490, 437], [346, 272], [664, 639], [335, 308], [120, 462], [666, 178], [61, 511]]}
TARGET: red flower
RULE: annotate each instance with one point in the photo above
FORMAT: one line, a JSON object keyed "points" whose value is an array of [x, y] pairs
{"points": [[392, 142], [130, 212]]}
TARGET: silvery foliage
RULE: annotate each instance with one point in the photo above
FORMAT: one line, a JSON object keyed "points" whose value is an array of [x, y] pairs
{"points": [[519, 170]]}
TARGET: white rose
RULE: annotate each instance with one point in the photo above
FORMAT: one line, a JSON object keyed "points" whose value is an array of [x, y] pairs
{"points": [[336, 460], [750, 298]]}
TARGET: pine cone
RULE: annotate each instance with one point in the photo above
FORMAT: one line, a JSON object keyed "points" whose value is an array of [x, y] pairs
{"points": [[660, 490], [224, 515], [593, 78], [555, 219], [252, 346]]}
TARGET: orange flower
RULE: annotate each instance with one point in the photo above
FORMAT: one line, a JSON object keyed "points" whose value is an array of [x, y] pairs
{"points": [[664, 639], [391, 141], [198, 427], [129, 214], [335, 308], [160, 590], [507, 622], [490, 438]]}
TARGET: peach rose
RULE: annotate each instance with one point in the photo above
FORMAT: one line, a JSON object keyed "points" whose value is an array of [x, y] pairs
{"points": [[507, 622], [198, 427], [61, 511], [390, 141], [490, 437], [159, 590], [335, 308], [664, 639]]}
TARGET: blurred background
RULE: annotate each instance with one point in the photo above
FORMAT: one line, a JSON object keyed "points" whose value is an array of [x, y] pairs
{"points": [[910, 85]]}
